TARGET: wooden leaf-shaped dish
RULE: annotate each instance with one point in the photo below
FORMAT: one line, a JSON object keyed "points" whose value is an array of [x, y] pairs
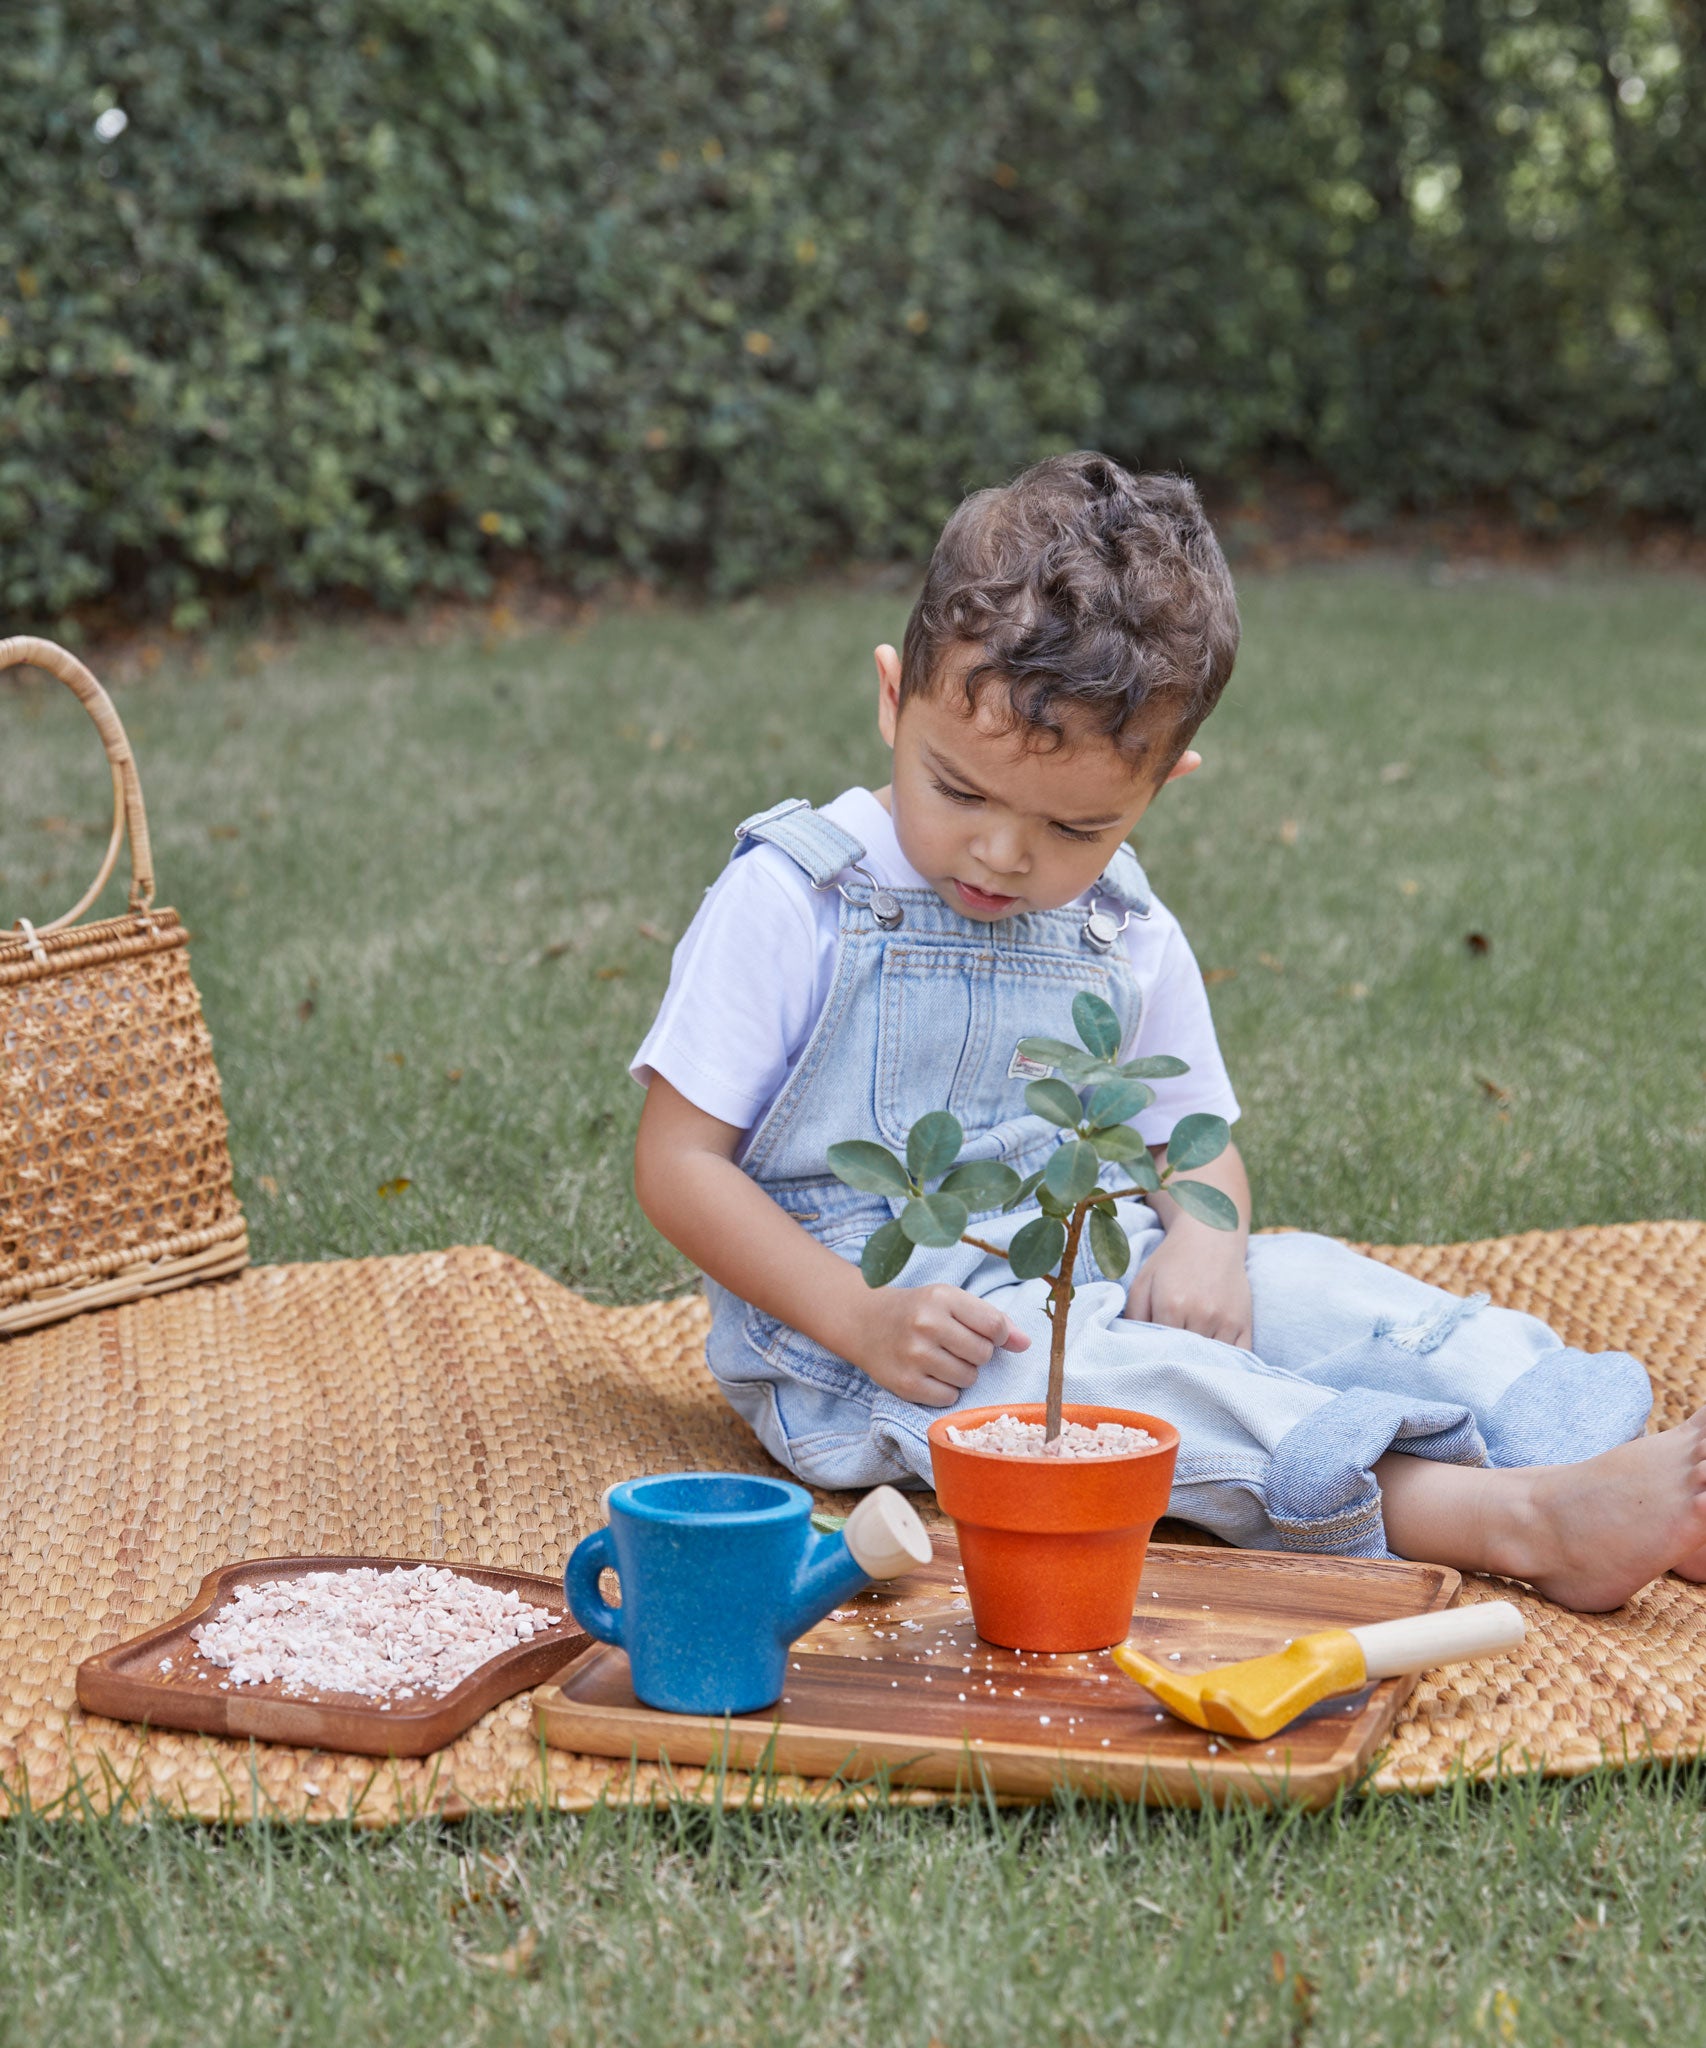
{"points": [[127, 1682]]}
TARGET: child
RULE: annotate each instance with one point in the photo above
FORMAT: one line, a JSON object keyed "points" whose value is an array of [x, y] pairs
{"points": [[855, 967]]}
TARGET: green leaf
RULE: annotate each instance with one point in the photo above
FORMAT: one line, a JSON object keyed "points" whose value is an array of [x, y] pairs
{"points": [[935, 1219], [872, 1169], [1085, 1067], [1049, 1205], [1056, 1101], [1121, 1143], [1036, 1249], [1196, 1140], [1159, 1066], [1206, 1204], [886, 1252], [1053, 1050], [1109, 1243], [1143, 1171], [982, 1184], [1117, 1102], [1071, 1171], [1023, 1193], [933, 1144], [829, 1524], [1096, 1024], [1070, 1062]]}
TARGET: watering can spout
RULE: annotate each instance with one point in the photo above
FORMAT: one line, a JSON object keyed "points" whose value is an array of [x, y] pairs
{"points": [[882, 1538]]}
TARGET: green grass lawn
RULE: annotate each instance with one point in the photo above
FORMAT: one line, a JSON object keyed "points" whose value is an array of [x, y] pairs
{"points": [[1535, 1914], [433, 879]]}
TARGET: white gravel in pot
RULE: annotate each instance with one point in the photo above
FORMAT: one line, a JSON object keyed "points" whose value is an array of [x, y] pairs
{"points": [[1008, 1437]]}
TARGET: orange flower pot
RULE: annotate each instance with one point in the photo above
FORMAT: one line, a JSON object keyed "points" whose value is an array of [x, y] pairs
{"points": [[1053, 1547]]}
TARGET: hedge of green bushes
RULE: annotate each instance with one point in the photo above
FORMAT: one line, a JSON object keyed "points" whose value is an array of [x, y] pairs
{"points": [[369, 293]]}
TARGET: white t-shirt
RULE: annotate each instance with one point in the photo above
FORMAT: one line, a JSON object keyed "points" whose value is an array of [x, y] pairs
{"points": [[753, 971]]}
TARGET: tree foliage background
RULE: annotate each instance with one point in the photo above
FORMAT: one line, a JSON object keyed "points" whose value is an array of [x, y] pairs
{"points": [[370, 293]]}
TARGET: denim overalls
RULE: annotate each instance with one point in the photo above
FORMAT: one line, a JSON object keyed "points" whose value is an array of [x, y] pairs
{"points": [[1349, 1359]]}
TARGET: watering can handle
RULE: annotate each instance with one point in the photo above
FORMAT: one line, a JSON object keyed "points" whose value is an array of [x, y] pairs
{"points": [[592, 1555], [1390, 1647]]}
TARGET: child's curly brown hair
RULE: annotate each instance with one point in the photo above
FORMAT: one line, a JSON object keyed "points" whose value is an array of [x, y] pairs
{"points": [[1101, 603]]}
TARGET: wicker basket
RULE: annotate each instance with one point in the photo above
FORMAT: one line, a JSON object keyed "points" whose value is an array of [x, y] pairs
{"points": [[115, 1178]]}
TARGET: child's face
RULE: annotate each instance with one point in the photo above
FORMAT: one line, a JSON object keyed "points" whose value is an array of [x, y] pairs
{"points": [[997, 827]]}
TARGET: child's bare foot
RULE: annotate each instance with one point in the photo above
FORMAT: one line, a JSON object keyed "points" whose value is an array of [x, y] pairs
{"points": [[1586, 1535], [1598, 1531]]}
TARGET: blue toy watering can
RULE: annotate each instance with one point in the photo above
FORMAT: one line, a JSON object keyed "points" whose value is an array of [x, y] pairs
{"points": [[720, 1572]]}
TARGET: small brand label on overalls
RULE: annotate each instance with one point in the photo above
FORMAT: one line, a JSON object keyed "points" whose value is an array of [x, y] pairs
{"points": [[1024, 1068]]}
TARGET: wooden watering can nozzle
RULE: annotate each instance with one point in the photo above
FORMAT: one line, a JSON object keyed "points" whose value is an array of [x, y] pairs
{"points": [[885, 1535], [1257, 1697]]}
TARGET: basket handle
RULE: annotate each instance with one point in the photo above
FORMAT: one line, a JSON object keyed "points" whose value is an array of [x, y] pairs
{"points": [[127, 790]]}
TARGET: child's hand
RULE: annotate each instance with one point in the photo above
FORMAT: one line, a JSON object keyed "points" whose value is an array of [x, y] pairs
{"points": [[925, 1344], [1195, 1280]]}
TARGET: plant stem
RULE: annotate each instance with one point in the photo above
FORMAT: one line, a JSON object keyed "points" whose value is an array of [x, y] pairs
{"points": [[1060, 1292]]}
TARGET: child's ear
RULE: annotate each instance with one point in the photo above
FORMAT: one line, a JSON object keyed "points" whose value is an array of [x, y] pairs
{"points": [[888, 692], [1187, 764]]}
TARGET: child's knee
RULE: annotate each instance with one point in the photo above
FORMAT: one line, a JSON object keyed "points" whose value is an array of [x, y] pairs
{"points": [[1569, 1405]]}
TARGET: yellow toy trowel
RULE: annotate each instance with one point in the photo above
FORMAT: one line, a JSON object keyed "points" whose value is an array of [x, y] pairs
{"points": [[1260, 1695]]}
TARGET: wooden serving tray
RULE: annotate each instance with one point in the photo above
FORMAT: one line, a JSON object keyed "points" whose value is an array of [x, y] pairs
{"points": [[898, 1684], [127, 1683]]}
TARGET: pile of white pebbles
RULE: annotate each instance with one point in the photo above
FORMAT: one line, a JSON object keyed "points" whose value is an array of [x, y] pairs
{"points": [[1008, 1437], [385, 1634]]}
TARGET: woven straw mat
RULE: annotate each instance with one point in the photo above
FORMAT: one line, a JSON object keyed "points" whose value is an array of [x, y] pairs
{"points": [[461, 1404]]}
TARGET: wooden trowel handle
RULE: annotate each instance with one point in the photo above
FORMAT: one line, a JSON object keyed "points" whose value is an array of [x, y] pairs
{"points": [[1389, 1647]]}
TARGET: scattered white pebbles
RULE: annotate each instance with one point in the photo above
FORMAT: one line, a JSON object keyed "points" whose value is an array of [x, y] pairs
{"points": [[1008, 1437], [415, 1629]]}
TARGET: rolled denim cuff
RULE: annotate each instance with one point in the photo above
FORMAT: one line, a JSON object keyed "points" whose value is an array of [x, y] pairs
{"points": [[1321, 1493], [1568, 1406]]}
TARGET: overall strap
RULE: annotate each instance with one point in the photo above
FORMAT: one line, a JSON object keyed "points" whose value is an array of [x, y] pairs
{"points": [[809, 839], [1126, 882]]}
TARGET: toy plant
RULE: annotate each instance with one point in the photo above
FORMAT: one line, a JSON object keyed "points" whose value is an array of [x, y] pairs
{"points": [[1095, 1134]]}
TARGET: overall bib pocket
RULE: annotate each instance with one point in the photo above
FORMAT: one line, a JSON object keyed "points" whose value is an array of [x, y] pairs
{"points": [[950, 1016]]}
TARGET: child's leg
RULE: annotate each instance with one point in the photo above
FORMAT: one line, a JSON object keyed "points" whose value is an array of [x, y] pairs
{"points": [[1586, 1535], [1451, 1430], [1579, 1503], [1266, 1459], [1342, 1320]]}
